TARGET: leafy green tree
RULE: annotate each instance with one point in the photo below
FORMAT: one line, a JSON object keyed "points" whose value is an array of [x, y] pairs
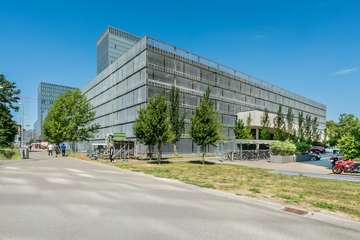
{"points": [[348, 124], [159, 122], [9, 94], [69, 119], [153, 126], [9, 97], [350, 146], [315, 135], [301, 126], [279, 125], [307, 128], [205, 127], [8, 127], [143, 132], [332, 133], [345, 134], [290, 121], [177, 120], [265, 125], [241, 131]]}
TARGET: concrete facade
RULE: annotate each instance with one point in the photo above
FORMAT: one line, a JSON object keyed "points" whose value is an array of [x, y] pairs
{"points": [[151, 67]]}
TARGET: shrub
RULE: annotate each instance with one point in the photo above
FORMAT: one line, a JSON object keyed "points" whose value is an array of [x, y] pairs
{"points": [[9, 154], [302, 147], [350, 146], [282, 148]]}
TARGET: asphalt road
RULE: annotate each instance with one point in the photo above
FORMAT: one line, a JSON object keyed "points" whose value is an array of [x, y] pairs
{"points": [[73, 199]]}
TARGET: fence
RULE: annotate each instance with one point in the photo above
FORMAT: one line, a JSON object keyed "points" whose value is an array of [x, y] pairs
{"points": [[247, 155]]}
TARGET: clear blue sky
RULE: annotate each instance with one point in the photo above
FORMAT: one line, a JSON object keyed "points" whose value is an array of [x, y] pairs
{"points": [[309, 47]]}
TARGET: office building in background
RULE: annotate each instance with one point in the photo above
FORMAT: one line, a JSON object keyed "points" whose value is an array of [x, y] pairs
{"points": [[111, 45], [47, 93]]}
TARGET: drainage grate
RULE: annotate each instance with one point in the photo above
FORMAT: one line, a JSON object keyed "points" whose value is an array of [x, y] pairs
{"points": [[295, 210]]}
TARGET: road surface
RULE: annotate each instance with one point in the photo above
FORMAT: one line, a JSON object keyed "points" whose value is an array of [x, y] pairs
{"points": [[73, 199]]}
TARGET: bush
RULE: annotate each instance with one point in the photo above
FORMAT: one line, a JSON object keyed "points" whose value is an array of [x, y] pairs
{"points": [[282, 148], [9, 154], [302, 147], [349, 146]]}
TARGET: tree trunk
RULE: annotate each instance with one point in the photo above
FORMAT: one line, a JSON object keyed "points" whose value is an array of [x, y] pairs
{"points": [[203, 154], [159, 152], [149, 152], [175, 150]]}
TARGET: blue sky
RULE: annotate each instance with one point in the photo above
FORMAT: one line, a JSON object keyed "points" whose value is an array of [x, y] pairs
{"points": [[309, 47]]}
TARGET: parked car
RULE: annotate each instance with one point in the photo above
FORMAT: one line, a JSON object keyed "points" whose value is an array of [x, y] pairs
{"points": [[307, 156], [317, 149]]}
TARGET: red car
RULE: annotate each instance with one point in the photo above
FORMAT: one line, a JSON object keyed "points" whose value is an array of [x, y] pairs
{"points": [[317, 149], [346, 166]]}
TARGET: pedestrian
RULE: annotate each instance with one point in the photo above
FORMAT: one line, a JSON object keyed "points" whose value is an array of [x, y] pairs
{"points": [[63, 149], [50, 149], [111, 153], [57, 150]]}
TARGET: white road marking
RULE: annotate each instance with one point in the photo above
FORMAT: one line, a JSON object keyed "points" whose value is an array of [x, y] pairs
{"points": [[85, 175], [12, 168], [58, 180], [13, 180], [74, 170]]}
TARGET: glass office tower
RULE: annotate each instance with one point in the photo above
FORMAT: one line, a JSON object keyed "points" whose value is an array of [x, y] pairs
{"points": [[47, 93], [151, 67], [111, 45]]}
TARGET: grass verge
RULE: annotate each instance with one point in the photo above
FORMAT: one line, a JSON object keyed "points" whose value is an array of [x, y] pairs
{"points": [[330, 195], [9, 154]]}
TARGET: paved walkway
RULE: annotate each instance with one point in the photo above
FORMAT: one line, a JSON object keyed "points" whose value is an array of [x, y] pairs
{"points": [[65, 198], [318, 169]]}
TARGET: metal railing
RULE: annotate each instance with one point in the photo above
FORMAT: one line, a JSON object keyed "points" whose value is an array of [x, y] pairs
{"points": [[247, 155], [167, 48]]}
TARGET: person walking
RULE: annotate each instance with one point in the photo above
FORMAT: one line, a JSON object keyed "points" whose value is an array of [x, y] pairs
{"points": [[57, 150], [63, 149], [111, 153], [51, 149]]}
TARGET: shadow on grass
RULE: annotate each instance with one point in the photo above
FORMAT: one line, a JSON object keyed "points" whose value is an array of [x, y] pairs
{"points": [[157, 162], [201, 162]]}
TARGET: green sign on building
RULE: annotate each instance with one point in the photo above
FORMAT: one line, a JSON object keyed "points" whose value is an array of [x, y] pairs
{"points": [[119, 136]]}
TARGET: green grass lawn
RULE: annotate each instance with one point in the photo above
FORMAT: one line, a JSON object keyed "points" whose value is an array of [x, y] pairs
{"points": [[9, 154], [331, 195]]}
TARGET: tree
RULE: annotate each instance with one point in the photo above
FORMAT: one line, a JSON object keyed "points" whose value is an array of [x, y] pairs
{"points": [[9, 97], [159, 122], [332, 133], [142, 131], [350, 146], [69, 119], [307, 128], [205, 127], [301, 126], [9, 94], [345, 134], [348, 125], [241, 131], [152, 127], [315, 135], [8, 127], [265, 124], [290, 121], [279, 125], [177, 120]]}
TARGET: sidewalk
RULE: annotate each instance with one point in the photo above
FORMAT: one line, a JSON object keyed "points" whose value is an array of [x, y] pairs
{"points": [[300, 167]]}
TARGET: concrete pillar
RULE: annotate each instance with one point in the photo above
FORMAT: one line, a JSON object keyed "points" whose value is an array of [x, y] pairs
{"points": [[257, 133]]}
